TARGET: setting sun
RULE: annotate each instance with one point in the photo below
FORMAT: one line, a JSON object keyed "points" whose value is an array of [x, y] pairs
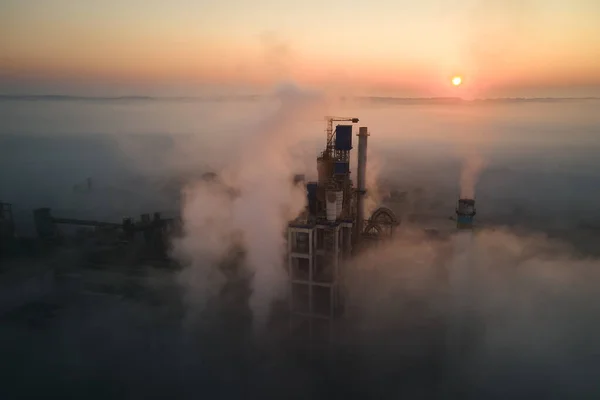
{"points": [[456, 81]]}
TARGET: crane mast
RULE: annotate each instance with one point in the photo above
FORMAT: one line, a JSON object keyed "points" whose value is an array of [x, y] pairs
{"points": [[329, 131]]}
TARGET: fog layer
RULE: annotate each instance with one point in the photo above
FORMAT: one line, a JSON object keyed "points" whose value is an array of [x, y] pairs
{"points": [[532, 269]]}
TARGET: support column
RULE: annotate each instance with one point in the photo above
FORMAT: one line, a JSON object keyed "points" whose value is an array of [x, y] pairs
{"points": [[363, 135]]}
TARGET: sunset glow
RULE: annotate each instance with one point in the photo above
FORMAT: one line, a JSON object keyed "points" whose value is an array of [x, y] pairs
{"points": [[456, 81], [505, 49]]}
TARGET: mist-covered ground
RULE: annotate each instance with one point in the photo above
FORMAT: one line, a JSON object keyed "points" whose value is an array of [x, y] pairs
{"points": [[538, 157], [533, 269]]}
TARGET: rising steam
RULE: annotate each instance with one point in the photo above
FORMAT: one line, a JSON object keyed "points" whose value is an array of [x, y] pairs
{"points": [[373, 175], [472, 166], [255, 216]]}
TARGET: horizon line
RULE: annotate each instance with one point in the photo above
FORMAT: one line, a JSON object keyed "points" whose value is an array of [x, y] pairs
{"points": [[251, 97]]}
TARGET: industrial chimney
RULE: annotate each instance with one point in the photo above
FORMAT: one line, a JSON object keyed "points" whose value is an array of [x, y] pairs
{"points": [[465, 211], [363, 135]]}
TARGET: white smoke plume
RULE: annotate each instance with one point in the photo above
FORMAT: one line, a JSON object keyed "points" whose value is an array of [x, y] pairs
{"points": [[265, 201], [373, 176], [471, 169], [207, 237]]}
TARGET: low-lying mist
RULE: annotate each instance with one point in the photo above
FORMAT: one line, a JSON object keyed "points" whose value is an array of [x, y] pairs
{"points": [[527, 324], [253, 216], [528, 313], [531, 301]]}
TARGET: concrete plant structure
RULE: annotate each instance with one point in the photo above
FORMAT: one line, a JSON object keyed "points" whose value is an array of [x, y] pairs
{"points": [[329, 232]]}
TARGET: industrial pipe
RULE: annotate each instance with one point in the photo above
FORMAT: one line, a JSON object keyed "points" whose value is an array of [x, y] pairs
{"points": [[363, 135]]}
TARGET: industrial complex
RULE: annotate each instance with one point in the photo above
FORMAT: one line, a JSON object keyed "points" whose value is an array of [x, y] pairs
{"points": [[330, 231], [321, 241], [334, 228]]}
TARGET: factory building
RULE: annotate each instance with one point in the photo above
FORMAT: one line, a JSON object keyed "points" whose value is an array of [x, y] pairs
{"points": [[152, 232], [329, 232]]}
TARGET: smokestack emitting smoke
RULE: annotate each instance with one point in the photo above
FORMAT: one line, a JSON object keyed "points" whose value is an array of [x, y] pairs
{"points": [[266, 201], [461, 317]]}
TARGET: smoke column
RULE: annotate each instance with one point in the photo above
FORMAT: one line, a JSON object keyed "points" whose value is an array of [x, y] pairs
{"points": [[206, 214], [374, 169], [469, 175], [256, 216], [269, 200]]}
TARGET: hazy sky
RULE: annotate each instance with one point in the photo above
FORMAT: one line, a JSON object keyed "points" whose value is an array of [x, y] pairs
{"points": [[500, 47]]}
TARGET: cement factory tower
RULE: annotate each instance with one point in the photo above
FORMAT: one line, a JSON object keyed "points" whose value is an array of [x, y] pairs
{"points": [[321, 239]]}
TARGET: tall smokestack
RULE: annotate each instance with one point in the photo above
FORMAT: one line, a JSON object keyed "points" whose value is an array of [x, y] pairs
{"points": [[465, 211], [363, 135]]}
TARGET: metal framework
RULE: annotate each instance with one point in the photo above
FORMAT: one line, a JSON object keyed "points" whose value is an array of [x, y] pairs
{"points": [[319, 241], [315, 256], [383, 222], [329, 148]]}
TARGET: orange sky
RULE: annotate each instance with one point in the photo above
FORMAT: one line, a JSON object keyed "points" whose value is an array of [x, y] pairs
{"points": [[409, 47]]}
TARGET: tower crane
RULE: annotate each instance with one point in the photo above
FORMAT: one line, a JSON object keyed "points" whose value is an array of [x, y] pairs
{"points": [[329, 130]]}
